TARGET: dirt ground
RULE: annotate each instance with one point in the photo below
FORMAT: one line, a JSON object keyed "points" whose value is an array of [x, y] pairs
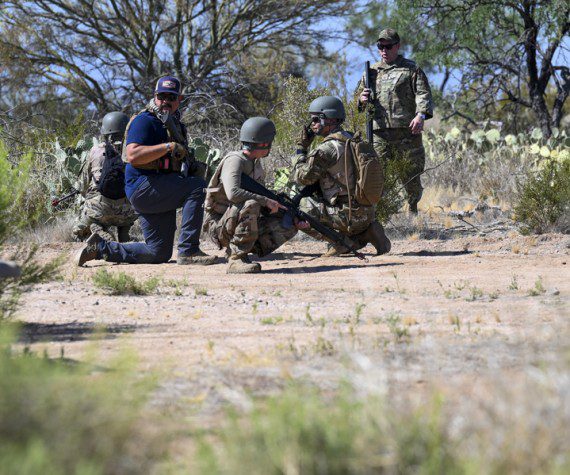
{"points": [[459, 315]]}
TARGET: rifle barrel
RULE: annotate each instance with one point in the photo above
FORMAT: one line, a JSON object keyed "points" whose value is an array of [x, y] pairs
{"points": [[369, 118], [249, 184]]}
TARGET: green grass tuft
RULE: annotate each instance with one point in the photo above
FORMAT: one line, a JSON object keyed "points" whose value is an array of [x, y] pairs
{"points": [[122, 284]]}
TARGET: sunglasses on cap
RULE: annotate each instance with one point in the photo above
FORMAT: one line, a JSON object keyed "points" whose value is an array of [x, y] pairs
{"points": [[167, 96], [386, 47]]}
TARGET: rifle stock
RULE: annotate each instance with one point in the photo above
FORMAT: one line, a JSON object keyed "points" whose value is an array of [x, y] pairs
{"points": [[369, 116], [249, 184]]}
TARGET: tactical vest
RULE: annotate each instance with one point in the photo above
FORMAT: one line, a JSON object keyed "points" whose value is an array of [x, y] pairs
{"points": [[394, 95], [164, 163], [216, 198], [333, 184]]}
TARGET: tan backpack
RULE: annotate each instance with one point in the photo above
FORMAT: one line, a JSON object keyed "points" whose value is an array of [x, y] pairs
{"points": [[369, 174]]}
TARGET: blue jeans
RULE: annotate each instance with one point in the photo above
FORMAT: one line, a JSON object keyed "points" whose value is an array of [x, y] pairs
{"points": [[155, 200]]}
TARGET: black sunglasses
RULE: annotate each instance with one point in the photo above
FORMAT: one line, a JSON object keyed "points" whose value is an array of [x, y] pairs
{"points": [[166, 96], [316, 118], [386, 47]]}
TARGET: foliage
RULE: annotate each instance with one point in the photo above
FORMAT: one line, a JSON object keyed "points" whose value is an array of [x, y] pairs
{"points": [[13, 182], [544, 198], [60, 419], [13, 185], [521, 59], [303, 430], [108, 55], [392, 198], [120, 283], [486, 162]]}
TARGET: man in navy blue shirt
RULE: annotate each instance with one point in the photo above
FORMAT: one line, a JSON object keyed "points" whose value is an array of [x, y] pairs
{"points": [[156, 187]]}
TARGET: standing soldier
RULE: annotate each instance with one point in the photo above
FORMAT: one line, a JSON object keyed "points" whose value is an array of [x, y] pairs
{"points": [[401, 99], [326, 165], [234, 218], [105, 207]]}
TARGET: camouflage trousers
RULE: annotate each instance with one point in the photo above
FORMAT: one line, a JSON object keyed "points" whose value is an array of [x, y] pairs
{"points": [[99, 214], [401, 144], [243, 229], [339, 218]]}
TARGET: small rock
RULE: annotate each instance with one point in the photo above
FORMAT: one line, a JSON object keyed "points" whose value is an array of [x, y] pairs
{"points": [[555, 292], [96, 302]]}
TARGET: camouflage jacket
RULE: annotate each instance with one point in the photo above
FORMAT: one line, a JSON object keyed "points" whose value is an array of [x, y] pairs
{"points": [[326, 164], [399, 91]]}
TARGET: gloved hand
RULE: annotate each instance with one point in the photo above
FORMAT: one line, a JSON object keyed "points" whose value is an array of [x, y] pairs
{"points": [[178, 152], [306, 138]]}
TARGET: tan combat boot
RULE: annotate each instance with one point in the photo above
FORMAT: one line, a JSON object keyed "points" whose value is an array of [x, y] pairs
{"points": [[335, 250], [90, 251], [376, 236], [242, 265], [199, 258]]}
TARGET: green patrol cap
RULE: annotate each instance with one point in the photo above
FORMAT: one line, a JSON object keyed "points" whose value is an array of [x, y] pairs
{"points": [[389, 34]]}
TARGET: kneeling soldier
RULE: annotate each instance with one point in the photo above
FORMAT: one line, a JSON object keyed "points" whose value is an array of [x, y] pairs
{"points": [[235, 218], [102, 210], [326, 165]]}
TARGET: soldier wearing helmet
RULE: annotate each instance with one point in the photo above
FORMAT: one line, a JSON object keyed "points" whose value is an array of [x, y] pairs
{"points": [[401, 99], [100, 213], [233, 217], [326, 166]]}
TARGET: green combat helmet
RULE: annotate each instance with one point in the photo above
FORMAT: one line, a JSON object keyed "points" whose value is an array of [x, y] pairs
{"points": [[114, 123], [258, 130], [330, 106]]}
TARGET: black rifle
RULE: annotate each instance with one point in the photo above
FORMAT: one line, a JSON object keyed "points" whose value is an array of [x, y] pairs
{"points": [[57, 201], [249, 184], [369, 114]]}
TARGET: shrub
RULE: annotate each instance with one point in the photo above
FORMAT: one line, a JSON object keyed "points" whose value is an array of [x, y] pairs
{"points": [[58, 419], [13, 185], [122, 284], [302, 431], [543, 200], [307, 431]]}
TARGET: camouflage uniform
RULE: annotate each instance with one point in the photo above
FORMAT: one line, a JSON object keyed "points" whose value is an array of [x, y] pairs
{"points": [[100, 213], [326, 165], [237, 223], [400, 91]]}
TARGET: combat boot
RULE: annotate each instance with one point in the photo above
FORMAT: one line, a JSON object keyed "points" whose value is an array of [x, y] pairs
{"points": [[199, 258], [90, 251], [242, 265], [376, 236], [335, 250]]}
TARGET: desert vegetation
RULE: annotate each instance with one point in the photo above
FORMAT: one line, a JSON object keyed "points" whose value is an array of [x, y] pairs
{"points": [[449, 355]]}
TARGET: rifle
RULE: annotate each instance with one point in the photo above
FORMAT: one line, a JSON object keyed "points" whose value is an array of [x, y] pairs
{"points": [[57, 201], [369, 114], [293, 211]]}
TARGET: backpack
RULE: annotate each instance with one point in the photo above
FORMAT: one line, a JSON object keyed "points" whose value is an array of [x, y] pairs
{"points": [[369, 174], [112, 181]]}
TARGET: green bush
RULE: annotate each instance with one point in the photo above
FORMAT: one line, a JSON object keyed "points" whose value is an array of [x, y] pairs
{"points": [[57, 419], [544, 198], [306, 431], [302, 431], [13, 186], [122, 284]]}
